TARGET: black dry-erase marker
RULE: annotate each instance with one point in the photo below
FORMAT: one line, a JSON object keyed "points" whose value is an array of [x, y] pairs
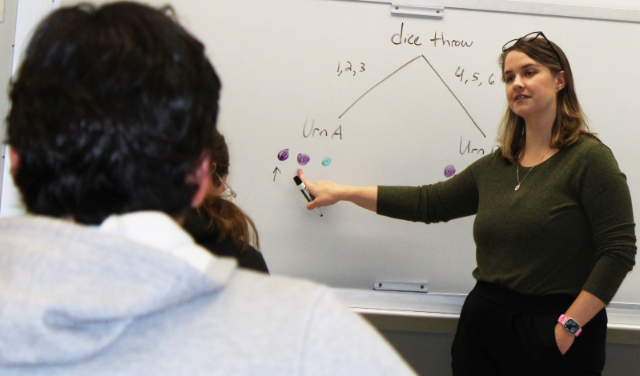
{"points": [[305, 192]]}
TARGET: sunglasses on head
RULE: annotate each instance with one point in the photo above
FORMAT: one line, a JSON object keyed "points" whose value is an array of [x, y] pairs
{"points": [[530, 38]]}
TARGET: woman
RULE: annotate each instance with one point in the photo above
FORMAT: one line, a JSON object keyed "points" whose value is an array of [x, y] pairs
{"points": [[218, 224], [554, 227]]}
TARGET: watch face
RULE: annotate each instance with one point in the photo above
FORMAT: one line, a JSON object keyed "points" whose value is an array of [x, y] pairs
{"points": [[571, 326]]}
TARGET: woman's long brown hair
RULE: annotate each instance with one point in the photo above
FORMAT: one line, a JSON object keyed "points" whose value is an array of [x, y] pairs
{"points": [[224, 216], [570, 121]]}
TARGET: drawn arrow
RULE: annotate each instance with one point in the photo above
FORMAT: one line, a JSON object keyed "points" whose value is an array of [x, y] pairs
{"points": [[275, 173]]}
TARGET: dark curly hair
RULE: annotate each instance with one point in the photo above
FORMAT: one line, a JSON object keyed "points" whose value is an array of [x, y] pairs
{"points": [[113, 107]]}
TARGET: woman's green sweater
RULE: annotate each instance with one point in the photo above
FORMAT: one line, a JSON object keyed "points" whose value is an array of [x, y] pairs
{"points": [[568, 228]]}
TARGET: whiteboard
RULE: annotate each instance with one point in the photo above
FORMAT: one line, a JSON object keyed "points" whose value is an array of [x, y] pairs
{"points": [[396, 101], [280, 61]]}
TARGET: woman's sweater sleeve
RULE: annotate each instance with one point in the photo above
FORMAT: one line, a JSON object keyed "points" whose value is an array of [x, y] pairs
{"points": [[606, 200], [440, 202]]}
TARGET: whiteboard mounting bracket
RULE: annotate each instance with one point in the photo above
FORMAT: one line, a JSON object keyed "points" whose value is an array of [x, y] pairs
{"points": [[401, 286], [434, 11]]}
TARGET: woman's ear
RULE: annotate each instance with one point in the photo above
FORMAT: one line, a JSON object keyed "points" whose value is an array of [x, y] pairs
{"points": [[561, 81]]}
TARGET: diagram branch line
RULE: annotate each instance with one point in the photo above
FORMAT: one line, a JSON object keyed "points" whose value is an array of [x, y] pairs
{"points": [[376, 85], [461, 105], [437, 74]]}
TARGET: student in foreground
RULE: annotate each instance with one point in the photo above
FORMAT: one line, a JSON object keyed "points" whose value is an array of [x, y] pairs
{"points": [[112, 120]]}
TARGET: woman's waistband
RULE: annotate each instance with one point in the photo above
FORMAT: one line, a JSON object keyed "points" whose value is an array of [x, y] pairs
{"points": [[522, 302]]}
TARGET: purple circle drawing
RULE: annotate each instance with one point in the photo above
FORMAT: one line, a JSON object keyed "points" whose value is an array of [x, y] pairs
{"points": [[283, 155], [303, 159], [449, 171]]}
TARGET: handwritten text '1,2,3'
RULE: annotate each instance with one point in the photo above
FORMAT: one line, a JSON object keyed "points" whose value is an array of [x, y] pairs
{"points": [[475, 77], [348, 68]]}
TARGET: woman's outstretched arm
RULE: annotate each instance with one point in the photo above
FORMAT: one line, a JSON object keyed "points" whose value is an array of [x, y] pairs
{"points": [[327, 193]]}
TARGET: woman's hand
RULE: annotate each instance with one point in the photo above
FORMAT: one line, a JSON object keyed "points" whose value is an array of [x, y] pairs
{"points": [[327, 193], [583, 309], [564, 340]]}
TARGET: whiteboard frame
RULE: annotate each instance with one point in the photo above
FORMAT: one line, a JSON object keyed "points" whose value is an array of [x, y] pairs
{"points": [[622, 316], [522, 7]]}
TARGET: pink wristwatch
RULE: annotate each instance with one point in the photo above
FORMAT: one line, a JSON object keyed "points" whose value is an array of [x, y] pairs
{"points": [[570, 325]]}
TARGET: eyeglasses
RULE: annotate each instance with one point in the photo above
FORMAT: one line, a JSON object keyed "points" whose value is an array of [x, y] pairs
{"points": [[530, 38], [228, 193]]}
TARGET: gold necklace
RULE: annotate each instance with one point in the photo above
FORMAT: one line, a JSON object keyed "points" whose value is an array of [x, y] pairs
{"points": [[525, 176]]}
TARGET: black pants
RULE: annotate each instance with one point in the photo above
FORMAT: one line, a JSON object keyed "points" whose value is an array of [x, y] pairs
{"points": [[505, 333]]}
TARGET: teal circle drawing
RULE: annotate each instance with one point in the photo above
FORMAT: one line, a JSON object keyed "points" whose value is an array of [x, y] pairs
{"points": [[326, 162]]}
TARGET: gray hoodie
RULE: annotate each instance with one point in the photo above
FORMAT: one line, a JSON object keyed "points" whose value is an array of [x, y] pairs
{"points": [[137, 297]]}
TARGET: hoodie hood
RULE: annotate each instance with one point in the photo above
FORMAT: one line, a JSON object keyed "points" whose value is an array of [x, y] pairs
{"points": [[68, 291]]}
